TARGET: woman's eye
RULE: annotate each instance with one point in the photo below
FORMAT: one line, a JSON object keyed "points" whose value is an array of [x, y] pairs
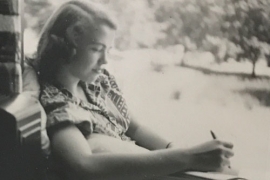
{"points": [[95, 49]]}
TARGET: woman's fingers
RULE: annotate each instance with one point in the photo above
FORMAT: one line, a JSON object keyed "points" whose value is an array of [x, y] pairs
{"points": [[224, 148], [225, 162], [221, 163], [212, 155], [228, 152], [227, 144], [227, 149]]}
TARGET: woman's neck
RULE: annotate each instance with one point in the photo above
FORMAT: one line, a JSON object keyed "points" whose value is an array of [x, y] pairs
{"points": [[68, 81]]}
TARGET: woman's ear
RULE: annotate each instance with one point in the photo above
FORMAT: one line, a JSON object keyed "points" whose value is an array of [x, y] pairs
{"points": [[74, 34]]}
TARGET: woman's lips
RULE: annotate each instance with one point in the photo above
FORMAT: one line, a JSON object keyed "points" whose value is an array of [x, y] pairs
{"points": [[97, 71]]}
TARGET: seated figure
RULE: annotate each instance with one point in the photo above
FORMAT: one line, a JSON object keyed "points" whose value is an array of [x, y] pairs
{"points": [[91, 132]]}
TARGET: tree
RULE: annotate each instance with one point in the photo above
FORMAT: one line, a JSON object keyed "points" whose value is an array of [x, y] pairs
{"points": [[189, 22], [137, 25], [37, 12], [247, 24]]}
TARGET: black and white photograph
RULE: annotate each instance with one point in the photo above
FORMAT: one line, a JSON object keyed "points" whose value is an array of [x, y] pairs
{"points": [[135, 90]]}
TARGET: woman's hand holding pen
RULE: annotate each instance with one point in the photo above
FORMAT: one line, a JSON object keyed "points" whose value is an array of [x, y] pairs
{"points": [[210, 156]]}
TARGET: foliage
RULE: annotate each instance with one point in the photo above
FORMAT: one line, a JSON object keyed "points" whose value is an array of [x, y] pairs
{"points": [[239, 29], [189, 21], [36, 13], [137, 25], [248, 26], [227, 28]]}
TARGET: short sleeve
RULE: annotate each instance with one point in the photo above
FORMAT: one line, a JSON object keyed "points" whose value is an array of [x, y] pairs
{"points": [[60, 110]]}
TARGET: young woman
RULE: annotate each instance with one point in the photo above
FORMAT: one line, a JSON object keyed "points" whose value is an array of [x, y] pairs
{"points": [[91, 132]]}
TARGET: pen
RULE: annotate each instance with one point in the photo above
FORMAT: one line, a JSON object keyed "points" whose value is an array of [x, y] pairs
{"points": [[215, 137], [213, 134]]}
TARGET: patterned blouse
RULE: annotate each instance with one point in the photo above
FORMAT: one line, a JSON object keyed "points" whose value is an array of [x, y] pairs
{"points": [[105, 112]]}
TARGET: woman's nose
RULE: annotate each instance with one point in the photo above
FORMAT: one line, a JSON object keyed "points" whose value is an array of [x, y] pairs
{"points": [[104, 59]]}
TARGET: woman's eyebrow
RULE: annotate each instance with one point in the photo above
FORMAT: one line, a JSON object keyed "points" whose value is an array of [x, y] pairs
{"points": [[101, 44], [98, 43]]}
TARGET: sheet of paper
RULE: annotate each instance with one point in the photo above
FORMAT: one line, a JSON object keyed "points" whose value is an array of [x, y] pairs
{"points": [[212, 175], [227, 173]]}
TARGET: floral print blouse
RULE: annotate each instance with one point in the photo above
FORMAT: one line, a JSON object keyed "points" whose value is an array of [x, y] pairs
{"points": [[105, 112]]}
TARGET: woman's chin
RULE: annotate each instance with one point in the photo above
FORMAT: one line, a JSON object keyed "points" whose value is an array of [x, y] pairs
{"points": [[91, 79]]}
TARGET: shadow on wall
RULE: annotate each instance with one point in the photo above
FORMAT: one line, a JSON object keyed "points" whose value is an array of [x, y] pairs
{"points": [[262, 95]]}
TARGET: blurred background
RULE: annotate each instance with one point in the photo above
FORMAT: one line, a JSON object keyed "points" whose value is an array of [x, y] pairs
{"points": [[190, 66]]}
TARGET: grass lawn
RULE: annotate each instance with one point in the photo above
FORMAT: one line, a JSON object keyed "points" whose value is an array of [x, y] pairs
{"points": [[184, 104]]}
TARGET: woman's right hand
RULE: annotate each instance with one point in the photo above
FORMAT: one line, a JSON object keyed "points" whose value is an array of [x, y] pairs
{"points": [[210, 156]]}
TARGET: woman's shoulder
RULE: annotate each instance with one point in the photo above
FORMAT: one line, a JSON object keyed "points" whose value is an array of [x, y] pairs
{"points": [[49, 91], [61, 109], [50, 95]]}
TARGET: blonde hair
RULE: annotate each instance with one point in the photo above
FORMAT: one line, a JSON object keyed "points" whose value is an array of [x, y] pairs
{"points": [[54, 47]]}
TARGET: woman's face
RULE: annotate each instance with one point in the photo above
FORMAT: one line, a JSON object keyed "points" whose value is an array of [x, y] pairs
{"points": [[91, 55]]}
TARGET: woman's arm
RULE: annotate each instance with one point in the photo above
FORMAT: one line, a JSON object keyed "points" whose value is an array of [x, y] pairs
{"points": [[147, 138], [71, 148]]}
